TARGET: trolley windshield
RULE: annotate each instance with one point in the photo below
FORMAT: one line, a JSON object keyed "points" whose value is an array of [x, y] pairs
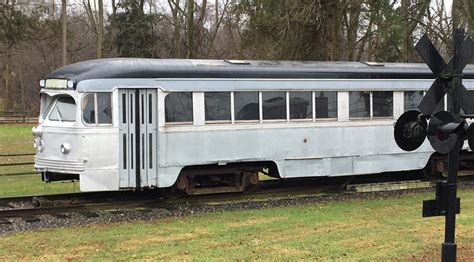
{"points": [[63, 109]]}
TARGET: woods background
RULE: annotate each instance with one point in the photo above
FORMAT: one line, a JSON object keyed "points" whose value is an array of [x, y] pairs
{"points": [[37, 37]]}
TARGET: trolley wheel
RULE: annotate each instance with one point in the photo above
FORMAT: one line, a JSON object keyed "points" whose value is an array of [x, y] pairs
{"points": [[250, 188], [252, 182]]}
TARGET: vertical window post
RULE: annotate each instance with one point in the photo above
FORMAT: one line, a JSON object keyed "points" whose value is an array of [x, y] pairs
{"points": [[287, 98], [313, 105], [199, 111], [232, 110], [371, 105], [95, 109], [260, 107]]}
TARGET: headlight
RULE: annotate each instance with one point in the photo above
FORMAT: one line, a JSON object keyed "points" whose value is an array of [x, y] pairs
{"points": [[35, 143], [70, 84], [37, 131], [65, 148], [40, 145]]}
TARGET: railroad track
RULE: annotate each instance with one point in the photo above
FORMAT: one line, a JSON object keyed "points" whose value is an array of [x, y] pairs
{"points": [[31, 208]]}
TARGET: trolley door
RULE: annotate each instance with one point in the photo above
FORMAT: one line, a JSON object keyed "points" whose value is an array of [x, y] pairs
{"points": [[137, 138]]}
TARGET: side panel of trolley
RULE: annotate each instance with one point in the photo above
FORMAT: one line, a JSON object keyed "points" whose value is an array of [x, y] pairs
{"points": [[137, 138]]}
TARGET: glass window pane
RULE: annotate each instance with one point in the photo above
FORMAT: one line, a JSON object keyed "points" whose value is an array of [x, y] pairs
{"points": [[246, 105], [383, 104], [64, 110], [274, 105], [301, 105], [412, 99], [104, 108], [326, 104], [179, 107], [359, 104], [217, 106], [88, 109], [46, 103]]}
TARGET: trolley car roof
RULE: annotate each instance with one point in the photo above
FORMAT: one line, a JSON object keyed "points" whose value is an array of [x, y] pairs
{"points": [[114, 68]]}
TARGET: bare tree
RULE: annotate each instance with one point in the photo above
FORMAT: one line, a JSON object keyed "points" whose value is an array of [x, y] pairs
{"points": [[64, 30], [190, 29], [100, 29]]}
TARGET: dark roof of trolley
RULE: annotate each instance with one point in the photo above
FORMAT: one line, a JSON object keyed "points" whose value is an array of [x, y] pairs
{"points": [[111, 68]]}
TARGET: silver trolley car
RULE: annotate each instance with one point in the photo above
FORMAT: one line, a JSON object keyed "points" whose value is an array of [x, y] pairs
{"points": [[205, 126]]}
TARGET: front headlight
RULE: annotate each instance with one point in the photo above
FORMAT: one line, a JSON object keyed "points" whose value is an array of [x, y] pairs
{"points": [[40, 145], [37, 131]]}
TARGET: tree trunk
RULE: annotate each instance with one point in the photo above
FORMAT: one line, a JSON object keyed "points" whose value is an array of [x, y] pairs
{"points": [[216, 21], [175, 10], [469, 11], [64, 31], [330, 9], [353, 23], [7, 83], [114, 8], [200, 28], [190, 27], [22, 90], [404, 50], [100, 29]]}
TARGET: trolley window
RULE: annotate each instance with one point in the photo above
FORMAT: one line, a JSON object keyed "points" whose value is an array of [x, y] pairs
{"points": [[382, 104], [359, 104], [412, 99], [217, 106], [370, 104], [47, 103], [274, 105], [88, 109], [246, 106], [104, 108], [63, 110], [326, 104], [179, 107], [97, 108], [301, 105]]}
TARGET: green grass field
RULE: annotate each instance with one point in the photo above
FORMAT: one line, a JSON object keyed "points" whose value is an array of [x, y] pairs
{"points": [[380, 229], [18, 139], [376, 229]]}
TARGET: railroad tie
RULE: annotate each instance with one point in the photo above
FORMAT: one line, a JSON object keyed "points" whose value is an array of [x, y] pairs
{"points": [[60, 215], [89, 214], [30, 219]]}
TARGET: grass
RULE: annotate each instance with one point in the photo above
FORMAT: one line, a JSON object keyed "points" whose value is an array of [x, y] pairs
{"points": [[378, 229], [32, 185], [18, 139]]}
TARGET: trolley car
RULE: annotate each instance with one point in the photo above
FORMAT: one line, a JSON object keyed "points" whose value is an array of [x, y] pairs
{"points": [[206, 126]]}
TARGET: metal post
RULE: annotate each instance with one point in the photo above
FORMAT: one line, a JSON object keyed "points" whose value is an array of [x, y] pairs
{"points": [[448, 253], [449, 246]]}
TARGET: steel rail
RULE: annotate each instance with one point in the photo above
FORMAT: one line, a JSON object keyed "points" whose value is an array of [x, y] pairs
{"points": [[32, 172], [17, 154], [119, 200], [17, 164], [36, 211]]}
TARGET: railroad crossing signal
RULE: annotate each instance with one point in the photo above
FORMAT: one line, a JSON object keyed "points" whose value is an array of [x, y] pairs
{"points": [[446, 74], [446, 131]]}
